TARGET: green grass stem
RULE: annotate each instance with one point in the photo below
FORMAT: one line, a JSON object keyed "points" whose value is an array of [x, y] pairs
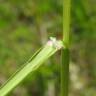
{"points": [[65, 51]]}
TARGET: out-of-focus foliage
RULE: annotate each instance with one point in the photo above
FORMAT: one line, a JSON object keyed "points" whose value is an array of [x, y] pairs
{"points": [[25, 25]]}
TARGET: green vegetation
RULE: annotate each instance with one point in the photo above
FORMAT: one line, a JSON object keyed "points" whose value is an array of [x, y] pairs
{"points": [[65, 51], [26, 25], [36, 60]]}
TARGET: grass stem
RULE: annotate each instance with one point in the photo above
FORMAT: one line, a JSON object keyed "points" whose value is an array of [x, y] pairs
{"points": [[65, 51]]}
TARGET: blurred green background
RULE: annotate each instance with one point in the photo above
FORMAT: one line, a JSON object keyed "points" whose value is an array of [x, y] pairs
{"points": [[26, 25]]}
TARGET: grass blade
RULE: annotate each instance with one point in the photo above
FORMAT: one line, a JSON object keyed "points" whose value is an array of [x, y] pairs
{"points": [[36, 61]]}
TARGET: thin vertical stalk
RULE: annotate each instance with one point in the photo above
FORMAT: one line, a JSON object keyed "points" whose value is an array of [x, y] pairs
{"points": [[65, 51], [66, 21]]}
